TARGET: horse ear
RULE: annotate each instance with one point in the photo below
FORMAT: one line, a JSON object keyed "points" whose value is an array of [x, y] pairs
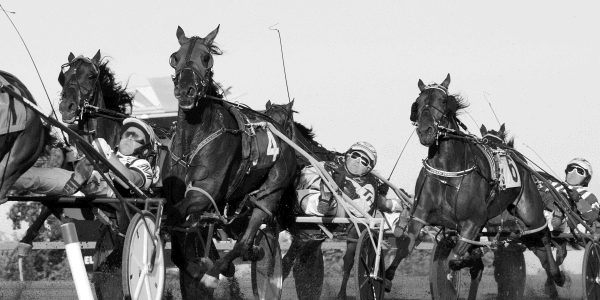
{"points": [[181, 36], [96, 58], [268, 105], [502, 128], [208, 40], [71, 57], [446, 81], [421, 85], [291, 104], [483, 130], [61, 78]]}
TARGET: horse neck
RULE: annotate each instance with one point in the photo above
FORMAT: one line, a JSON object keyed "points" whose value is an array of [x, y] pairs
{"points": [[102, 127], [194, 125], [450, 154]]}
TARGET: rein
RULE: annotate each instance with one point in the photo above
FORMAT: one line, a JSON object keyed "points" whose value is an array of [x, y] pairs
{"points": [[186, 159]]}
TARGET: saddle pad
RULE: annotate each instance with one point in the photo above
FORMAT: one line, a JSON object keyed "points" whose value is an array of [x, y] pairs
{"points": [[13, 115]]}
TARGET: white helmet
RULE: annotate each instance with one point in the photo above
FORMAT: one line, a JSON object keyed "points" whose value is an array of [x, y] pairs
{"points": [[141, 125], [583, 163], [367, 149]]}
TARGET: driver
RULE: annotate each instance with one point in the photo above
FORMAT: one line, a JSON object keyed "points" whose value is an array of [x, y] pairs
{"points": [[578, 174], [352, 173], [137, 137]]}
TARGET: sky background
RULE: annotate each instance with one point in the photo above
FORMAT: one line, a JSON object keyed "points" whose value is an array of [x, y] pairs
{"points": [[352, 67]]}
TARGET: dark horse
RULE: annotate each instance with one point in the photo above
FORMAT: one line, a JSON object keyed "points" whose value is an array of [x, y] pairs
{"points": [[305, 255], [455, 190], [91, 96], [220, 159], [21, 145]]}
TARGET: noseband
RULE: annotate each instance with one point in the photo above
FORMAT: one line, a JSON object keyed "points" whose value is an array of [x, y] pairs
{"points": [[200, 81], [86, 95]]}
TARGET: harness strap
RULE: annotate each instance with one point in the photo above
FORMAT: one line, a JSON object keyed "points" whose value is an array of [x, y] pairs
{"points": [[443, 173], [190, 187], [190, 156]]}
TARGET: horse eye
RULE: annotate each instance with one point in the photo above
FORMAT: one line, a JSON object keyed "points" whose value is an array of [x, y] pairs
{"points": [[91, 76], [173, 60]]}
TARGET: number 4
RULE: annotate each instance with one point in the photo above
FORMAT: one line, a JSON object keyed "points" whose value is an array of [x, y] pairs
{"points": [[272, 148]]}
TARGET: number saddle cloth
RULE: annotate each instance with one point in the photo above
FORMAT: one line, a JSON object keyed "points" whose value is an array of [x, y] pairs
{"points": [[12, 111], [505, 175]]}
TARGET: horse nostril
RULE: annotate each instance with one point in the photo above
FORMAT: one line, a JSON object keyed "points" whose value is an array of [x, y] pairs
{"points": [[191, 91], [71, 106]]}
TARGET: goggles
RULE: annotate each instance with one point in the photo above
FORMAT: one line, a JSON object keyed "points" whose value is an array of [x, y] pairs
{"points": [[365, 161], [133, 136], [580, 170]]}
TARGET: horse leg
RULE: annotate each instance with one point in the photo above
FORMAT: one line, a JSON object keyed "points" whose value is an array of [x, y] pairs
{"points": [[287, 262], [405, 245], [348, 261], [476, 272], [26, 243], [186, 253], [23, 153], [244, 246], [555, 276], [460, 257], [309, 271]]}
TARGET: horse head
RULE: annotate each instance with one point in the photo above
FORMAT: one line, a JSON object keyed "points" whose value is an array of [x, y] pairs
{"points": [[193, 67], [80, 85], [433, 109], [492, 137], [282, 114]]}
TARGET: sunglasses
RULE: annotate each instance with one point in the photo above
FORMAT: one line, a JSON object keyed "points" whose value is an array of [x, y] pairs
{"points": [[134, 136], [580, 170], [365, 161]]}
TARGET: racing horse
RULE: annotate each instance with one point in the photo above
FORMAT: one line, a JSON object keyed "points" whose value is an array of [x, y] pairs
{"points": [[92, 97], [305, 255], [220, 158], [22, 133], [455, 190]]}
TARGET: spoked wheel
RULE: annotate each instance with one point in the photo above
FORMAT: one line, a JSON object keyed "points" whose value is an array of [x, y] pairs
{"points": [[369, 286], [444, 282], [143, 263], [591, 271], [266, 274]]}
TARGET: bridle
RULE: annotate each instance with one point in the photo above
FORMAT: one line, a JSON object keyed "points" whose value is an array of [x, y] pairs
{"points": [[288, 120], [85, 95], [201, 82], [415, 114]]}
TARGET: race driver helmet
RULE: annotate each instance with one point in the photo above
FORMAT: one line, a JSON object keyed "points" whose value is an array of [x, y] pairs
{"points": [[361, 158], [149, 136], [584, 164]]}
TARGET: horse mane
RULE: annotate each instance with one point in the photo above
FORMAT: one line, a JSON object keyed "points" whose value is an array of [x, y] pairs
{"points": [[115, 95], [306, 132]]}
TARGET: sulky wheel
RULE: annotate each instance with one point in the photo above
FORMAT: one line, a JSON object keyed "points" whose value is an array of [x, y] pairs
{"points": [[143, 263], [444, 282], [368, 285], [266, 274], [591, 271]]}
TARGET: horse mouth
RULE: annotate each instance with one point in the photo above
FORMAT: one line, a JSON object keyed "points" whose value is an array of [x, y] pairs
{"points": [[427, 137], [69, 120]]}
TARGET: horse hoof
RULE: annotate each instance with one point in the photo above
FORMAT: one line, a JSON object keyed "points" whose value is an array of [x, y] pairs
{"points": [[230, 271], [210, 281], [387, 285], [550, 290], [455, 264], [23, 249], [561, 279]]}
